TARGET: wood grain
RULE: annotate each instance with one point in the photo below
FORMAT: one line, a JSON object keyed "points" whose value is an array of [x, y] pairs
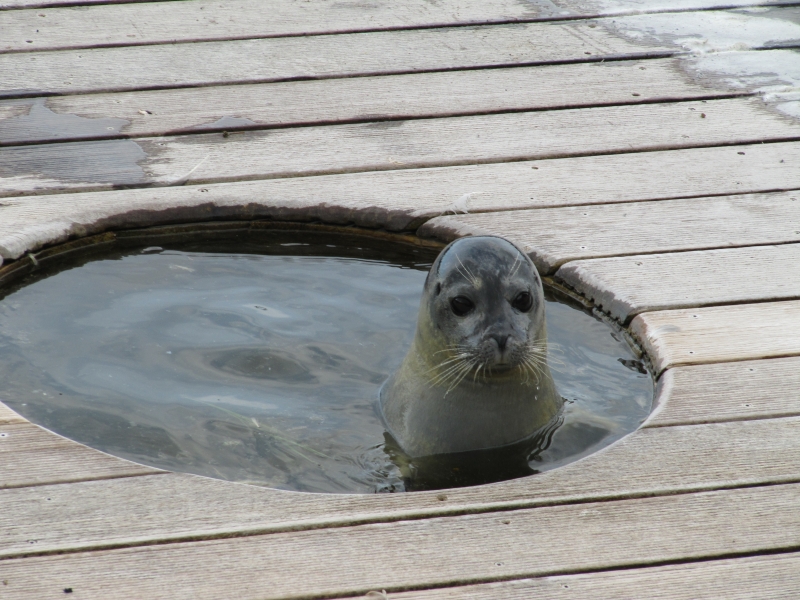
{"points": [[430, 552], [703, 393], [145, 510], [315, 57], [775, 577], [392, 145], [555, 236], [204, 20], [625, 287], [399, 200], [30, 456], [341, 100], [719, 334], [382, 13], [9, 416], [166, 22]]}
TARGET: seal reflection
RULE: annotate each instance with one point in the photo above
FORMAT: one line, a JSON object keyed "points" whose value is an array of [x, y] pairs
{"points": [[477, 467]]}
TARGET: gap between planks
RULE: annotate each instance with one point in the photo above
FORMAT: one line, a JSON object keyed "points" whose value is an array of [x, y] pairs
{"points": [[627, 286], [719, 334], [398, 145], [400, 200], [432, 552], [281, 59], [657, 461], [330, 101], [555, 236], [775, 576]]}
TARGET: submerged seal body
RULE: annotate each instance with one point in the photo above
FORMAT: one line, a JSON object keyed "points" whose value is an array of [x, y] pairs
{"points": [[476, 375]]}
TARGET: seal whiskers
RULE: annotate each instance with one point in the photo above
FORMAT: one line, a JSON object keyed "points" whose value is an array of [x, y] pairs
{"points": [[476, 375]]}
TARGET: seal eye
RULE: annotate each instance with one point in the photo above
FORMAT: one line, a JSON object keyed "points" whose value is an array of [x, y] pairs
{"points": [[523, 302], [461, 305]]}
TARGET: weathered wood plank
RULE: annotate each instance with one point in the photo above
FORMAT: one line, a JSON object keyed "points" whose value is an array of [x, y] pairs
{"points": [[714, 393], [342, 100], [204, 20], [30, 455], [165, 22], [555, 236], [399, 200], [9, 416], [389, 145], [430, 552], [776, 577], [558, 9], [276, 59], [625, 287], [145, 510], [719, 334]]}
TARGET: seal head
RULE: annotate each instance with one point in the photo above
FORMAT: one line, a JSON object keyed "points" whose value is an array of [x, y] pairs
{"points": [[476, 375]]}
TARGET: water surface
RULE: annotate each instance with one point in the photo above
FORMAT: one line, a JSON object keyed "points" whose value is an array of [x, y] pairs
{"points": [[258, 359]]}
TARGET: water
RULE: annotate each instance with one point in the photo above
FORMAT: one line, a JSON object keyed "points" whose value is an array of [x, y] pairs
{"points": [[258, 359]]}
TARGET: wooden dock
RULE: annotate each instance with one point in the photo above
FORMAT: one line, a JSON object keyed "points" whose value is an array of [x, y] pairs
{"points": [[670, 201]]}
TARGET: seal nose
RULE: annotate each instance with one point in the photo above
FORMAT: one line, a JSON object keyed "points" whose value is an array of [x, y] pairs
{"points": [[501, 339]]}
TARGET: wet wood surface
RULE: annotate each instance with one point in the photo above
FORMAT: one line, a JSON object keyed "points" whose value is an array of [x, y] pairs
{"points": [[391, 145], [664, 199], [358, 99], [402, 199]]}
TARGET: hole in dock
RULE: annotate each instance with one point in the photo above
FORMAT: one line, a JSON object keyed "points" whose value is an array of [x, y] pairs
{"points": [[256, 355]]}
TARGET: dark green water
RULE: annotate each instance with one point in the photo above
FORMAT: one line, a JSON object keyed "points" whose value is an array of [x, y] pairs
{"points": [[259, 360]]}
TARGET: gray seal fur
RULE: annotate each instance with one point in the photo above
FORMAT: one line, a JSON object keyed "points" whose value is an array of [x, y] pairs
{"points": [[476, 376]]}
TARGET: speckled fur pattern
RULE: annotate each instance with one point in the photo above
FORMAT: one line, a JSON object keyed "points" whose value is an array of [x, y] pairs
{"points": [[478, 379]]}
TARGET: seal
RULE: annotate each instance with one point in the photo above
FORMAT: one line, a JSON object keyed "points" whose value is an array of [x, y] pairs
{"points": [[476, 376]]}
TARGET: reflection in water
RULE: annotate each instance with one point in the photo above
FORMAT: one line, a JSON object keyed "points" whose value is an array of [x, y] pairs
{"points": [[472, 468], [259, 360]]}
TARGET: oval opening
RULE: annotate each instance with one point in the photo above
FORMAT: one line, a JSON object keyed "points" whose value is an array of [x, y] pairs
{"points": [[253, 353]]}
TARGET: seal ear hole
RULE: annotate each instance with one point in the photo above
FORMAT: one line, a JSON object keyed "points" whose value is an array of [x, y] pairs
{"points": [[461, 305], [523, 302], [438, 288]]}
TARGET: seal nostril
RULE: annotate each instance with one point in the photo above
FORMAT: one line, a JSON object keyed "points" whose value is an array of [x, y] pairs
{"points": [[501, 340]]}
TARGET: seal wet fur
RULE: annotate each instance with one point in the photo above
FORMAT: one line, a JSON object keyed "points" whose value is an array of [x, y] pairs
{"points": [[476, 376]]}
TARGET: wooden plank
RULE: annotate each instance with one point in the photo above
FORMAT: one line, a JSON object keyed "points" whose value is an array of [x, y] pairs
{"points": [[9, 416], [776, 577], [719, 334], [166, 22], [430, 552], [625, 287], [402, 199], [329, 9], [170, 508], [764, 389], [30, 455], [392, 145], [343, 100], [204, 20], [555, 236], [315, 57], [22, 4]]}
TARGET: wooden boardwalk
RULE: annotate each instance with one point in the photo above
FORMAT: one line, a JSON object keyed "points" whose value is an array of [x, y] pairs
{"points": [[670, 201]]}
